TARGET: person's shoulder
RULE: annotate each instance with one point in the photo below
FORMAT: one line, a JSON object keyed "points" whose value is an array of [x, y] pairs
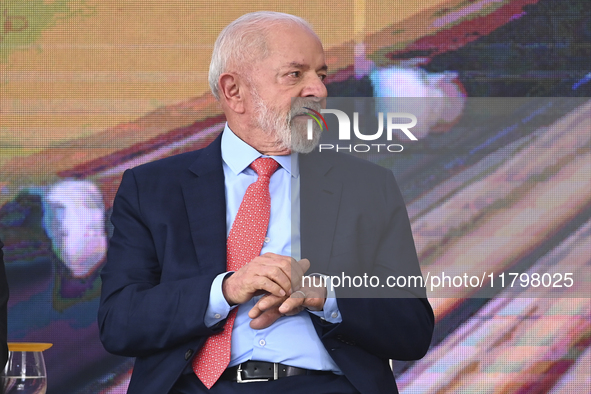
{"points": [[181, 160], [175, 165]]}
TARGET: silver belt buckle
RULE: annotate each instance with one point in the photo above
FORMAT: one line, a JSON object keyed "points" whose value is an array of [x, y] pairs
{"points": [[239, 375]]}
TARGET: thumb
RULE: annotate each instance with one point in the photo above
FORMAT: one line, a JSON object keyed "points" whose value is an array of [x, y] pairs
{"points": [[304, 264]]}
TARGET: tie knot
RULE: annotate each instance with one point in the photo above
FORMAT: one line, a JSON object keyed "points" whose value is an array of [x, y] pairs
{"points": [[264, 166]]}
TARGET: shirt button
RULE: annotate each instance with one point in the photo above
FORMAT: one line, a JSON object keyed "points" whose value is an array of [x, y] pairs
{"points": [[262, 342], [335, 315], [217, 315], [267, 239]]}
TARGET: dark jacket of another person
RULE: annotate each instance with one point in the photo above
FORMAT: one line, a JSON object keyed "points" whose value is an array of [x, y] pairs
{"points": [[3, 311]]}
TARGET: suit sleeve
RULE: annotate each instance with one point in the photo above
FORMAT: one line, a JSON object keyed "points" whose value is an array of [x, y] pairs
{"points": [[3, 311], [395, 323], [139, 314]]}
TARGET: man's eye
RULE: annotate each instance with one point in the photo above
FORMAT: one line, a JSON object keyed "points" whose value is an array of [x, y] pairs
{"points": [[322, 77], [295, 74]]}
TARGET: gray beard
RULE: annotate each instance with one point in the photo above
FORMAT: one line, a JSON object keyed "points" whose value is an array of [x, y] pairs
{"points": [[288, 134]]}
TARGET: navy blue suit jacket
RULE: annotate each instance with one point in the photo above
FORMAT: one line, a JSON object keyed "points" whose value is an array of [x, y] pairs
{"points": [[169, 244]]}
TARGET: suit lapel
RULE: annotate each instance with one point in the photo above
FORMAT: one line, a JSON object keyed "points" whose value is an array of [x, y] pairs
{"points": [[320, 197], [205, 202]]}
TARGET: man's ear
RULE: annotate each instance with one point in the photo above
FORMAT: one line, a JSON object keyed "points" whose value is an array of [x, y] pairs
{"points": [[231, 93]]}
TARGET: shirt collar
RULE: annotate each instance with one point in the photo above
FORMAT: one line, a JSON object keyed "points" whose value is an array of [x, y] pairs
{"points": [[238, 155]]}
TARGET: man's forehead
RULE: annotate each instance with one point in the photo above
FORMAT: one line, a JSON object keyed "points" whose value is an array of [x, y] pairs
{"points": [[302, 66], [292, 46]]}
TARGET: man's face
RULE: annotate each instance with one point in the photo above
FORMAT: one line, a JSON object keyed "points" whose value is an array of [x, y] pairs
{"points": [[294, 68]]}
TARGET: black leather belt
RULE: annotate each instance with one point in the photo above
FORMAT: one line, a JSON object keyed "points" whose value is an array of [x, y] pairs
{"points": [[257, 371]]}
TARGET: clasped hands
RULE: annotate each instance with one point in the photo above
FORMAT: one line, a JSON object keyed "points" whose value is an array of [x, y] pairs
{"points": [[279, 279]]}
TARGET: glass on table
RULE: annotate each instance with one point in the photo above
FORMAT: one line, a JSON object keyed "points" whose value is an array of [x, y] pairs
{"points": [[24, 372]]}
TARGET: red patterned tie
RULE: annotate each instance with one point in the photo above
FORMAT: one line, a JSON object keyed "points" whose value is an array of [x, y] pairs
{"points": [[245, 242]]}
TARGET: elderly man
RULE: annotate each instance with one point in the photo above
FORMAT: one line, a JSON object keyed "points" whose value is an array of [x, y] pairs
{"points": [[203, 281]]}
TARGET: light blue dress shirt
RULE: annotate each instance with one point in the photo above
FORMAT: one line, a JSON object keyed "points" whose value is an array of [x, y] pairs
{"points": [[291, 340]]}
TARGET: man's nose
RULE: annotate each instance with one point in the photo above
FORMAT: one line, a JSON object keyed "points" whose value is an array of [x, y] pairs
{"points": [[314, 87]]}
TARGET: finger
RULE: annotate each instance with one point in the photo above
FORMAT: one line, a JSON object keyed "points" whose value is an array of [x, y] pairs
{"points": [[277, 275], [255, 312], [266, 319], [304, 265], [269, 302], [314, 290], [297, 272], [276, 267], [294, 311], [292, 304], [294, 270], [267, 285], [315, 297], [265, 303]]}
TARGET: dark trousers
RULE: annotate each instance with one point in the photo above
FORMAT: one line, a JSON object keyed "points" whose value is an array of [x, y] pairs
{"points": [[303, 384]]}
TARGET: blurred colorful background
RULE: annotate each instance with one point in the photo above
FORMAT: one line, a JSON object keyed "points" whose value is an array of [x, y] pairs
{"points": [[89, 88]]}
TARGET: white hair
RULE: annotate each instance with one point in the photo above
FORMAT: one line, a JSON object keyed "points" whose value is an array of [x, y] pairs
{"points": [[243, 39]]}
